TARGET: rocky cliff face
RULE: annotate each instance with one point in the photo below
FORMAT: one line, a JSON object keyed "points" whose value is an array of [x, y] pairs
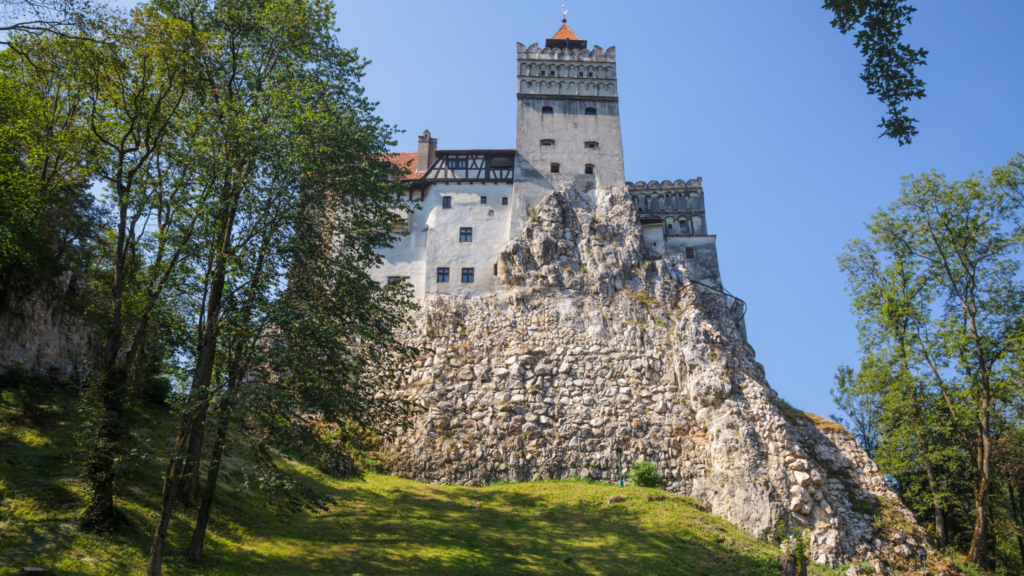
{"points": [[596, 346], [39, 334]]}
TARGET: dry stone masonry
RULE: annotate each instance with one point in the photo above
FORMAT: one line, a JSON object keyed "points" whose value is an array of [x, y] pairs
{"points": [[597, 343]]}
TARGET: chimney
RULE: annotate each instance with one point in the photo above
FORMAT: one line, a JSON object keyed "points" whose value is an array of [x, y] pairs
{"points": [[427, 151]]}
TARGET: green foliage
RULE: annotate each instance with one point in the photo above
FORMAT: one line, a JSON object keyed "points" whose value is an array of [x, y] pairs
{"points": [[940, 311], [889, 65], [645, 474], [795, 542]]}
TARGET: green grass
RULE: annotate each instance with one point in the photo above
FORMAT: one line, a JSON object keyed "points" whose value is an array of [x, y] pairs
{"points": [[380, 525]]}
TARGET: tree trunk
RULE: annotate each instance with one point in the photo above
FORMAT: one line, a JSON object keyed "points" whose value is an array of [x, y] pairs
{"points": [[791, 566], [195, 548], [979, 553], [200, 386], [101, 514], [940, 518]]}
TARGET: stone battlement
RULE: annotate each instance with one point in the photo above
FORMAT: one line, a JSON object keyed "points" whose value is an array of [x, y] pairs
{"points": [[534, 52]]}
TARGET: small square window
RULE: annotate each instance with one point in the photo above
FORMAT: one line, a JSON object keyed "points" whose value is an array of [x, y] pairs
{"points": [[554, 168], [590, 74], [467, 275], [504, 201], [669, 226], [394, 279], [442, 274], [588, 169], [689, 254], [446, 202], [483, 199], [542, 73], [465, 234]]}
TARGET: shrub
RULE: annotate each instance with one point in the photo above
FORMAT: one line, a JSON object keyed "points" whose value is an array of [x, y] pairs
{"points": [[645, 474]]}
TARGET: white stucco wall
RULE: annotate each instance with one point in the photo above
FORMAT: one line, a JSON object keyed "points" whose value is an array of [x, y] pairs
{"points": [[433, 240]]}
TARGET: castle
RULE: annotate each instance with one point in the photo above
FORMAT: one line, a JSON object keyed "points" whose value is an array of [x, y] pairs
{"points": [[472, 202]]}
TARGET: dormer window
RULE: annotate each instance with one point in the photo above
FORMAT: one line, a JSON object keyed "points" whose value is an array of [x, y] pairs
{"points": [[547, 142], [554, 168], [588, 169], [547, 110], [591, 145], [590, 111]]}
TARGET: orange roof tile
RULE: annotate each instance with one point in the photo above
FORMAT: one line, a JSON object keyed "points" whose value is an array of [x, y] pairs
{"points": [[406, 160], [565, 33]]}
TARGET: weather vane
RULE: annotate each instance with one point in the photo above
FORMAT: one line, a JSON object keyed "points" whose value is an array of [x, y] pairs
{"points": [[564, 12]]}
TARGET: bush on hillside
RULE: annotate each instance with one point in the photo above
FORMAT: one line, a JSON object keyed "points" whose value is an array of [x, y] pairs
{"points": [[645, 474]]}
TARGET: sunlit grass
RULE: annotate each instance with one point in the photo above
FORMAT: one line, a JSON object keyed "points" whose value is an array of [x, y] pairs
{"points": [[379, 525]]}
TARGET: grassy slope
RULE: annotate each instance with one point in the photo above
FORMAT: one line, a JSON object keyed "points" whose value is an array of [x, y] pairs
{"points": [[382, 525]]}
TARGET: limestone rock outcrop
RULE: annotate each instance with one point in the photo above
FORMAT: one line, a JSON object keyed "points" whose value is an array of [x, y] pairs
{"points": [[599, 346], [42, 335]]}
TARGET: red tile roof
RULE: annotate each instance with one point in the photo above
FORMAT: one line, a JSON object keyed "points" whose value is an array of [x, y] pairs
{"points": [[565, 33], [406, 160]]}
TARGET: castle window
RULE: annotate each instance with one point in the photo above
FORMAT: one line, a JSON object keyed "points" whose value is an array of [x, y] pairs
{"points": [[541, 72], [554, 168], [547, 110], [442, 274], [669, 226], [690, 254], [483, 199], [457, 163], [591, 145], [504, 201], [547, 142], [590, 74], [495, 268], [467, 275], [588, 169], [590, 111], [465, 234], [446, 202]]}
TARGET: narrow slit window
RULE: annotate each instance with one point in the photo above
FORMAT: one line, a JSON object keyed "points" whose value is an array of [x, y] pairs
{"points": [[467, 275], [547, 110], [442, 274], [465, 234], [495, 268], [590, 111], [588, 169], [547, 142], [446, 202], [591, 145], [554, 168]]}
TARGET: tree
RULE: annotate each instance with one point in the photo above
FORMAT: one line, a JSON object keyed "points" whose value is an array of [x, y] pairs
{"points": [[938, 280], [293, 338], [889, 66]]}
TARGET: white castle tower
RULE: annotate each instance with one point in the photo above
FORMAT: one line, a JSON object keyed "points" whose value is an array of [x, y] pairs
{"points": [[472, 202], [567, 120]]}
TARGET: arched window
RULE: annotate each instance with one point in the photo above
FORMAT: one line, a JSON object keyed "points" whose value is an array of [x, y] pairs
{"points": [[590, 111], [554, 168], [547, 110], [588, 169], [591, 145], [547, 142]]}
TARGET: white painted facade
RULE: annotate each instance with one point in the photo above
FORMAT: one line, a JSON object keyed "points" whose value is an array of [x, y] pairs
{"points": [[567, 130]]}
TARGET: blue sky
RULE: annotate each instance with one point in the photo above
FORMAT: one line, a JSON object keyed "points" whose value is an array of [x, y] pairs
{"points": [[761, 99]]}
